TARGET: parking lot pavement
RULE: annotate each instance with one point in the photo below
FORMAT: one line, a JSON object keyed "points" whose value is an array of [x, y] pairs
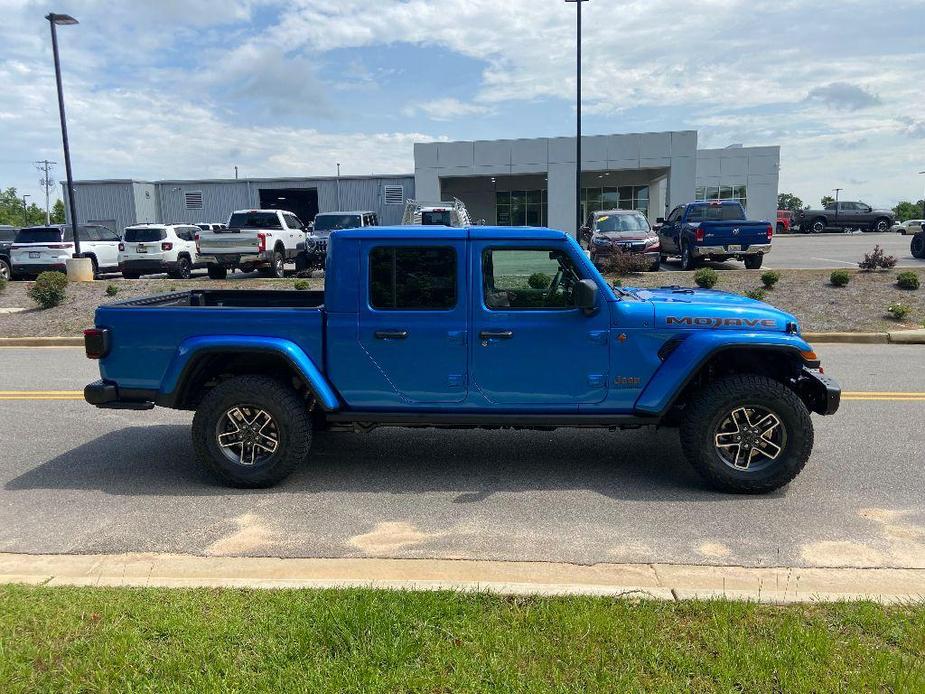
{"points": [[76, 479], [822, 251]]}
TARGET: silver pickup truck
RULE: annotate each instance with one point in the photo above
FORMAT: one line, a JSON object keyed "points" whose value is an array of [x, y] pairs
{"points": [[255, 239]]}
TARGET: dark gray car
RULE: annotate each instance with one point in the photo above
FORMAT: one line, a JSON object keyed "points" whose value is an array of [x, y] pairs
{"points": [[844, 215]]}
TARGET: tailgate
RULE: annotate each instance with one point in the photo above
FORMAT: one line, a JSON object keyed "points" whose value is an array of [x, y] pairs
{"points": [[734, 233], [229, 241]]}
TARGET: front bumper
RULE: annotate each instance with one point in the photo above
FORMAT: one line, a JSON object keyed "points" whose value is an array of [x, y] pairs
{"points": [[821, 393], [754, 249], [106, 394]]}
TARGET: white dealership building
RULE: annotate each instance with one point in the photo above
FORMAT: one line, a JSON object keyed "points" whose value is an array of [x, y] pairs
{"points": [[508, 182]]}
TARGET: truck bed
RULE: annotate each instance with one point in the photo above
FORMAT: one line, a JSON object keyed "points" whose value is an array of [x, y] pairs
{"points": [[229, 298]]}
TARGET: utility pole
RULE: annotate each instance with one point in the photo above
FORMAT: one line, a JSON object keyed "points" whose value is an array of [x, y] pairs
{"points": [[236, 172], [338, 185], [46, 181], [578, 218]]}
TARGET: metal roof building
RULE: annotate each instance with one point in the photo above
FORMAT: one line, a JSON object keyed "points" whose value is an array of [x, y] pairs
{"points": [[118, 203]]}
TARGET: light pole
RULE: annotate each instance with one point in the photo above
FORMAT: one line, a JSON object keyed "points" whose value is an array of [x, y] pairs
{"points": [[25, 210], [54, 20], [923, 198], [578, 219], [337, 185]]}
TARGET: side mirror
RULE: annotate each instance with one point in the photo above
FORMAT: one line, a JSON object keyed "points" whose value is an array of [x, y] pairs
{"points": [[586, 295], [659, 220]]}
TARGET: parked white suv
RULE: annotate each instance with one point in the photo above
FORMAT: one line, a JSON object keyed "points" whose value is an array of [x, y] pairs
{"points": [[147, 249], [37, 249], [264, 239]]}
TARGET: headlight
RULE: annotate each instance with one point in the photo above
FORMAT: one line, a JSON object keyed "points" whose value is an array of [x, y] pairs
{"points": [[600, 241]]}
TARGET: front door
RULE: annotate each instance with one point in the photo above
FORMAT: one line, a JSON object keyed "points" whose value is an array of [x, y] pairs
{"points": [[531, 345], [413, 322]]}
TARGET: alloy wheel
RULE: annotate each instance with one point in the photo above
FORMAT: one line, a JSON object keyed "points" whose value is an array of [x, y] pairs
{"points": [[247, 435], [749, 438]]}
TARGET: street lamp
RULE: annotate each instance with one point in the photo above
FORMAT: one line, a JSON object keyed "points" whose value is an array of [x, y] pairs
{"points": [[578, 124], [55, 20], [25, 211]]}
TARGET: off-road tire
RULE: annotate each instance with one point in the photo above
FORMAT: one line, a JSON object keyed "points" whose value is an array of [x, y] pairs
{"points": [[183, 270], [707, 408], [217, 272], [290, 414], [753, 262], [917, 247], [688, 261]]}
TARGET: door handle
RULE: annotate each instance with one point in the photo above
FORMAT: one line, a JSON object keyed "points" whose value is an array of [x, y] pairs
{"points": [[496, 334], [391, 334]]}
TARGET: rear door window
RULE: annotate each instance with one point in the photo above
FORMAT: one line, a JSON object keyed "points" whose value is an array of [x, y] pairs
{"points": [[412, 279]]}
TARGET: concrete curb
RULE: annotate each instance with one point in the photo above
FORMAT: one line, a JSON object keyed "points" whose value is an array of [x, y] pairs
{"points": [[908, 337], [655, 581], [852, 338], [41, 342]]}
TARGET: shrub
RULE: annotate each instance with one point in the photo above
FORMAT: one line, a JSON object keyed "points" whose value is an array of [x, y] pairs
{"points": [[539, 280], [907, 280], [49, 289], [877, 260], [706, 277], [839, 278], [770, 278], [2, 284], [898, 311], [111, 290], [301, 285], [617, 282], [621, 263], [757, 294]]}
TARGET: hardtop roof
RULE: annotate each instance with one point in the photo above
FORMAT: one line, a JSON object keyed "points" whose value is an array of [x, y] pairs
{"points": [[417, 231]]}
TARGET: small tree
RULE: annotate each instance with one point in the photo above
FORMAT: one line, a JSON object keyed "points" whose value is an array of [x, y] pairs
{"points": [[840, 278], [57, 212], [706, 278], [826, 200], [789, 201], [770, 278]]}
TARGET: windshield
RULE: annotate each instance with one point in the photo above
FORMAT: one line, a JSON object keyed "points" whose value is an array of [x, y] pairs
{"points": [[436, 218], [621, 223], [39, 235], [330, 222], [715, 213], [156, 234], [254, 220]]}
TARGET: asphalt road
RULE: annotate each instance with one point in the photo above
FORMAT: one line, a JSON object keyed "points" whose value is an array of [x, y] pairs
{"points": [[75, 479], [826, 251]]}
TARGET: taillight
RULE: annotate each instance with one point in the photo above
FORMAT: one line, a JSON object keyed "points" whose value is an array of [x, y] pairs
{"points": [[261, 241], [698, 234], [167, 246], [121, 246], [770, 232], [96, 342]]}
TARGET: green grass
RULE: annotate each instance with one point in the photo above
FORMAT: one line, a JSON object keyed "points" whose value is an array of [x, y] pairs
{"points": [[99, 639]]}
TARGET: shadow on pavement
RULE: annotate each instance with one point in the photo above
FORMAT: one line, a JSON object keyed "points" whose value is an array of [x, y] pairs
{"points": [[158, 461]]}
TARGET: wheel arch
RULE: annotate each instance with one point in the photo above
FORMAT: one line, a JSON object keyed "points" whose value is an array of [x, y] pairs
{"points": [[699, 357], [202, 362]]}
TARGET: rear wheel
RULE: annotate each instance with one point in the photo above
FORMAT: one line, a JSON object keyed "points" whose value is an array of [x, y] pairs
{"points": [[183, 269], [95, 266], [881, 225], [130, 275], [278, 267], [5, 272], [217, 272], [753, 262], [780, 228], [918, 245], [747, 434], [252, 431], [818, 226], [688, 261]]}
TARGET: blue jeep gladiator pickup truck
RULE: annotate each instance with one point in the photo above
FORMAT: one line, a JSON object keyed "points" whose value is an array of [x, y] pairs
{"points": [[466, 327], [714, 230]]}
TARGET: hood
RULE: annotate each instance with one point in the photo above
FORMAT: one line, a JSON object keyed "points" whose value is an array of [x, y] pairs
{"points": [[625, 235], [710, 309]]}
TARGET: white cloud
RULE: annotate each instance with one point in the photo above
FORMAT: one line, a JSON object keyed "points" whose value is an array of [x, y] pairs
{"points": [[447, 108]]}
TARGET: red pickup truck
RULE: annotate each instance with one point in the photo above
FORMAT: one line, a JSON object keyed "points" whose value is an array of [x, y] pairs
{"points": [[784, 221]]}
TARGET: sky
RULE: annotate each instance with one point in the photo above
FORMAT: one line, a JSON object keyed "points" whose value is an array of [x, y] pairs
{"points": [[191, 88]]}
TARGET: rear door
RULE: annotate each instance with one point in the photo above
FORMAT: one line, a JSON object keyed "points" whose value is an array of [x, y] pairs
{"points": [[413, 320], [670, 231]]}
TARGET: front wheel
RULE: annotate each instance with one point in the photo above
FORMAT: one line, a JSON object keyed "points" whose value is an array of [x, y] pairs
{"points": [[747, 434], [753, 262], [5, 273], [818, 226], [252, 431], [918, 245]]}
